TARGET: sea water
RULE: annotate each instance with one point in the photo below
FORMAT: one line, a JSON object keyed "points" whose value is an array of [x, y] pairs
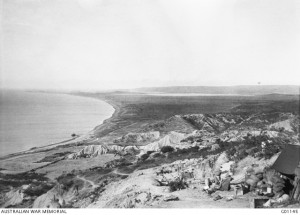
{"points": [[32, 119]]}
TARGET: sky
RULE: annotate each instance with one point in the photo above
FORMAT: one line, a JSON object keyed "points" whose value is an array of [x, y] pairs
{"points": [[118, 44]]}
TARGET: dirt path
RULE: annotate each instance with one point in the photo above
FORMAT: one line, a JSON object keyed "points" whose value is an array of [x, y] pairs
{"points": [[87, 181]]}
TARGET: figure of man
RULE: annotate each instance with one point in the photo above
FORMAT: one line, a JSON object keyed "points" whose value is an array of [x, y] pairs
{"points": [[213, 184]]}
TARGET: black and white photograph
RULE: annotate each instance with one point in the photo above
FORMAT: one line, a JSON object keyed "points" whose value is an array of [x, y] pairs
{"points": [[154, 104]]}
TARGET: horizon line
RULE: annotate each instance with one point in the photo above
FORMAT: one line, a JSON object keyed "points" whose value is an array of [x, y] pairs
{"points": [[118, 89]]}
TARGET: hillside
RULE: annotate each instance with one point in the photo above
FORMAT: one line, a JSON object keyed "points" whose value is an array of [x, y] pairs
{"points": [[136, 158], [135, 111]]}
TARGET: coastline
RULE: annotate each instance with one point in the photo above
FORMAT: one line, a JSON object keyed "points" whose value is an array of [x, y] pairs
{"points": [[109, 124], [115, 114], [131, 113], [38, 149]]}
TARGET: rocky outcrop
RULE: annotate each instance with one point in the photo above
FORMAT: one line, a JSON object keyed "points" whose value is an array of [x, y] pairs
{"points": [[171, 139], [134, 138], [98, 150], [239, 135], [14, 197], [131, 149], [212, 122], [90, 151], [285, 125], [114, 148]]}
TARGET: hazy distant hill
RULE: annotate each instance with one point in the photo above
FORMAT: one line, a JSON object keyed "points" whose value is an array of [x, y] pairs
{"points": [[242, 90]]}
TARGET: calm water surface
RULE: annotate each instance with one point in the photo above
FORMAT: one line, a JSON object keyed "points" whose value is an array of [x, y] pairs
{"points": [[36, 119]]}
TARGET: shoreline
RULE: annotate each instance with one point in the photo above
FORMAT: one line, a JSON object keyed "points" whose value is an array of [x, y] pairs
{"points": [[37, 149], [115, 114], [138, 111], [106, 126]]}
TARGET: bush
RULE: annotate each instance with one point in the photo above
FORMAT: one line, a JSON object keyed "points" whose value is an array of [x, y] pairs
{"points": [[157, 155], [37, 190], [166, 149], [144, 157], [150, 152], [177, 185], [66, 180]]}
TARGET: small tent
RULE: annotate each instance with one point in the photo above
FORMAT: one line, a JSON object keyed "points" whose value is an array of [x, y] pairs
{"points": [[288, 160]]}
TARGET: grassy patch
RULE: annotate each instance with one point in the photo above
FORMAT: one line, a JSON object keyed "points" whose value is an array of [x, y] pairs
{"points": [[54, 157]]}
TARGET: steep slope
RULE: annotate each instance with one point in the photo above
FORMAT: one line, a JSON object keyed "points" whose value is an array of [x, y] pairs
{"points": [[171, 139]]}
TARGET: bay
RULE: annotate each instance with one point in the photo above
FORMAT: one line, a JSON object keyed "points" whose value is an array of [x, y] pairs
{"points": [[33, 119]]}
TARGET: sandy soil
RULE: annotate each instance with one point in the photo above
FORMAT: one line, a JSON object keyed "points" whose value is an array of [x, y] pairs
{"points": [[196, 198]]}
